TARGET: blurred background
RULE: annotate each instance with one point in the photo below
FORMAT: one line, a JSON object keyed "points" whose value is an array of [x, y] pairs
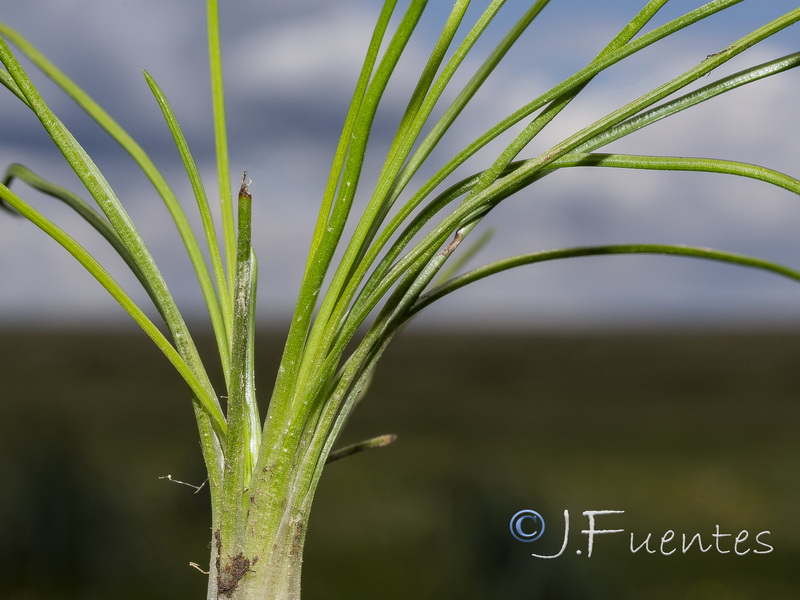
{"points": [[682, 431], [659, 386]]}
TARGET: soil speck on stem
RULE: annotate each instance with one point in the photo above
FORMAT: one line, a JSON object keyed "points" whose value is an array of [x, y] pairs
{"points": [[231, 573]]}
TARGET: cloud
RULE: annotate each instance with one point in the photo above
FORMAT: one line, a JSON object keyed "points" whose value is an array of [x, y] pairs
{"points": [[280, 61], [291, 68]]}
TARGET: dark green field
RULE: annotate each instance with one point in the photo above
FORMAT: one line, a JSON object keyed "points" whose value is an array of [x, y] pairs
{"points": [[682, 432]]}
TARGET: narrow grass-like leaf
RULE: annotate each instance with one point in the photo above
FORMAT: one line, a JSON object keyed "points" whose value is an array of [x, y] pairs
{"points": [[421, 105], [8, 82], [626, 127], [502, 187], [566, 86], [140, 157], [221, 138], [380, 441], [771, 176], [334, 304], [101, 191], [312, 443], [707, 92], [682, 163], [315, 269], [555, 107], [91, 216], [465, 95], [241, 399], [351, 171], [343, 184], [222, 330], [620, 161], [558, 103], [208, 402], [353, 378], [547, 255], [353, 265], [659, 93]]}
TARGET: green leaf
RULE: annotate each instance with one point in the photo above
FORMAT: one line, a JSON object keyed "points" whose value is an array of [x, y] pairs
{"points": [[117, 133], [242, 437], [91, 216], [200, 391], [221, 138], [101, 191], [222, 315], [548, 255]]}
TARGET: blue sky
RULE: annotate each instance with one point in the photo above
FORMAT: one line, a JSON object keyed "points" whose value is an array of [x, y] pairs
{"points": [[291, 66]]}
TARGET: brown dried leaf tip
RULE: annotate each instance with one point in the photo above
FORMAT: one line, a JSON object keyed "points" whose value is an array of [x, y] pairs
{"points": [[244, 190]]}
